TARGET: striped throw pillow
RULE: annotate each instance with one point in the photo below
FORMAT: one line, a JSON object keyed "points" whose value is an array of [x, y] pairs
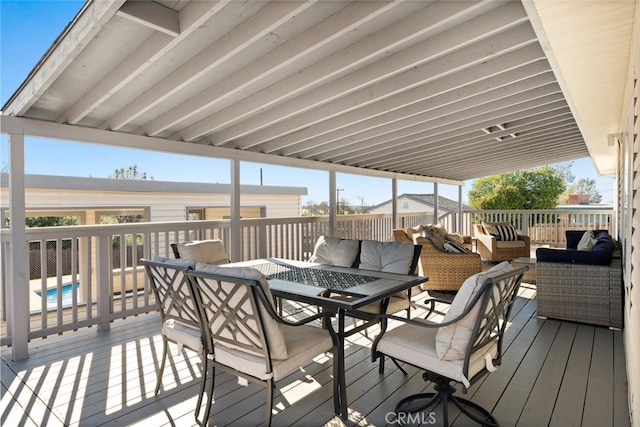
{"points": [[506, 233], [454, 248]]}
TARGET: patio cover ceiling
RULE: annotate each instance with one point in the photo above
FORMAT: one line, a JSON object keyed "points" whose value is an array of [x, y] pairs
{"points": [[451, 90]]}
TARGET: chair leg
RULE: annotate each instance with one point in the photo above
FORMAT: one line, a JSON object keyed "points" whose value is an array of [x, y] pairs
{"points": [[336, 387], [203, 381], [270, 389], [444, 394], [207, 408], [381, 364], [162, 363]]}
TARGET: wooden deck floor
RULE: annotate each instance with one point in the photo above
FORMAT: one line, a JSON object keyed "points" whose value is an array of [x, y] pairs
{"points": [[553, 373]]}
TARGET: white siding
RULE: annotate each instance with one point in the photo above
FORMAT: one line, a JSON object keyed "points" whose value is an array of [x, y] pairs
{"points": [[163, 206], [629, 208], [404, 206]]}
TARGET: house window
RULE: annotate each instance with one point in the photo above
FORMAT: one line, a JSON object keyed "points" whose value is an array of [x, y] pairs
{"points": [[405, 204], [195, 214]]}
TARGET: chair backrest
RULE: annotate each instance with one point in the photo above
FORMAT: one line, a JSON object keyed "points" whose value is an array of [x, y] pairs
{"points": [[205, 251], [483, 306], [170, 287], [336, 251], [237, 312], [390, 257]]}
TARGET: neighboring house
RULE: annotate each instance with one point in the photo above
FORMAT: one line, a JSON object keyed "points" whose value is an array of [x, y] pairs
{"points": [[418, 203], [91, 198]]}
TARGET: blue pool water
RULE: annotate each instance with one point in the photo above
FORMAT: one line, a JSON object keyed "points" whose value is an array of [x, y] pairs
{"points": [[52, 294]]}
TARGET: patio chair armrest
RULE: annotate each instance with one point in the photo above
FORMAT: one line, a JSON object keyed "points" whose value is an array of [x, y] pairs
{"points": [[487, 240]]}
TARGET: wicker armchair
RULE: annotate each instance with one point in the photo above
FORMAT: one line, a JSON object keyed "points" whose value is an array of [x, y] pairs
{"points": [[446, 271], [493, 250]]}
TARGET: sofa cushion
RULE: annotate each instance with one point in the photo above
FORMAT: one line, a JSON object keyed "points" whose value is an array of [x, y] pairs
{"points": [[587, 241], [601, 253], [574, 236]]}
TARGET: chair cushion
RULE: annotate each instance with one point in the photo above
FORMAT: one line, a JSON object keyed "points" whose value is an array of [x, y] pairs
{"points": [[303, 342], [510, 244], [417, 345], [452, 341], [397, 302], [273, 331], [335, 251], [181, 333], [204, 251], [390, 257]]}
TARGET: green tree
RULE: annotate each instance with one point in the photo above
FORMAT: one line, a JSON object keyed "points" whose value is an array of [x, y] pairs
{"points": [[526, 189], [130, 173]]}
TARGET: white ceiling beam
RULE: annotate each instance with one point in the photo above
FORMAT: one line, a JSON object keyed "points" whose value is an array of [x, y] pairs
{"points": [[476, 94], [251, 30], [418, 26], [378, 152], [467, 144], [539, 133], [515, 159], [442, 121], [379, 137], [464, 84], [271, 67], [191, 17], [152, 15], [76, 36], [49, 130], [397, 73]]}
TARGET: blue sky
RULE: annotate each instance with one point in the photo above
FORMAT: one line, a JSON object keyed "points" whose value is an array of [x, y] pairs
{"points": [[27, 29]]}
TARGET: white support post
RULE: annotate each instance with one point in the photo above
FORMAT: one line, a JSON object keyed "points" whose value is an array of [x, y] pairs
{"points": [[18, 289], [460, 214], [333, 206], [394, 203], [235, 252], [104, 251], [435, 203]]}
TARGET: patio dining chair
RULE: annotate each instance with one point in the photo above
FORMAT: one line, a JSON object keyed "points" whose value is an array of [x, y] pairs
{"points": [[464, 347], [389, 257], [209, 251], [178, 312], [244, 335]]}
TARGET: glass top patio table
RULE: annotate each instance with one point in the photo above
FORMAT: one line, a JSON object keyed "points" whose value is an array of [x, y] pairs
{"points": [[313, 283]]}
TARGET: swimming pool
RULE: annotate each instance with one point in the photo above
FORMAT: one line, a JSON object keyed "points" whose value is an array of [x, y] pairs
{"points": [[67, 291]]}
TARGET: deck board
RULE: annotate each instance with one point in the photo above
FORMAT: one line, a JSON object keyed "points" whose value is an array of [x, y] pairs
{"points": [[552, 374]]}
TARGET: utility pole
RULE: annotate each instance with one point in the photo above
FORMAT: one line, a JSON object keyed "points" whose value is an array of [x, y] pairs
{"points": [[338, 190]]}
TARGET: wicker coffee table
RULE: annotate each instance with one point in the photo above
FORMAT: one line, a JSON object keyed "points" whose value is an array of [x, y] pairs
{"points": [[529, 275]]}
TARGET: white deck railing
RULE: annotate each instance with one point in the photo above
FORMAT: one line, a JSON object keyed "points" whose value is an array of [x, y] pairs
{"points": [[108, 289]]}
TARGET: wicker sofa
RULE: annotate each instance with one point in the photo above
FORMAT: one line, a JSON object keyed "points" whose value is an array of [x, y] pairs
{"points": [[446, 271], [581, 286]]}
